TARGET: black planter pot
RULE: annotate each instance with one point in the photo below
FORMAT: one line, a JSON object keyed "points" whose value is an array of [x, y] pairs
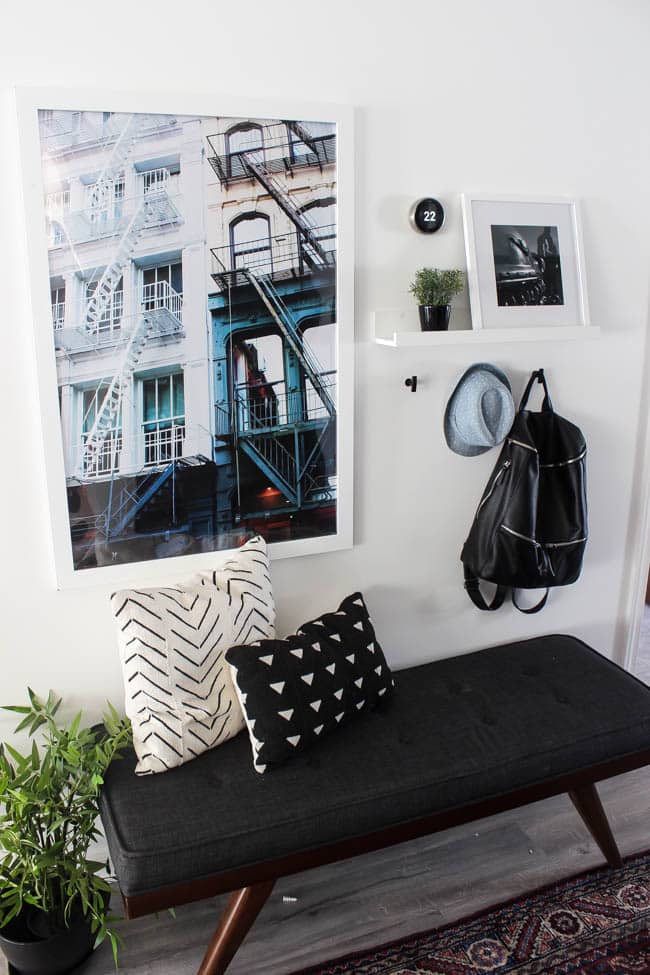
{"points": [[434, 318], [55, 955]]}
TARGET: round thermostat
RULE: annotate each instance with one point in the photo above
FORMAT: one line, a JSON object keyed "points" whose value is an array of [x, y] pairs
{"points": [[427, 215]]}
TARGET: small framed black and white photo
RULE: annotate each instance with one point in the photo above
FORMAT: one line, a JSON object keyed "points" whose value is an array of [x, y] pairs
{"points": [[525, 264]]}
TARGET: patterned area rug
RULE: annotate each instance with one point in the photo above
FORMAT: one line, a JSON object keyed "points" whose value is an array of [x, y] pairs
{"points": [[595, 924]]}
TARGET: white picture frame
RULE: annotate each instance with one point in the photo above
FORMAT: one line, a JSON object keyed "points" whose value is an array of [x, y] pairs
{"points": [[525, 262], [28, 102]]}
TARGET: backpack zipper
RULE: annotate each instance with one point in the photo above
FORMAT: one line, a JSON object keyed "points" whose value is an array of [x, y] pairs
{"points": [[533, 541], [564, 463], [525, 538], [501, 472], [541, 555], [560, 463], [520, 443], [575, 541]]}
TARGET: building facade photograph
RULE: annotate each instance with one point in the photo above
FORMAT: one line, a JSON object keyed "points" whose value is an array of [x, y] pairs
{"points": [[193, 289]]}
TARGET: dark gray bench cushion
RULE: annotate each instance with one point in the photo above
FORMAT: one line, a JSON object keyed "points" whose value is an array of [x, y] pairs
{"points": [[457, 731]]}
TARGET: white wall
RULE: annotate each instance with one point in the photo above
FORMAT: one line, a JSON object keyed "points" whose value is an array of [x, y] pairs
{"points": [[544, 98]]}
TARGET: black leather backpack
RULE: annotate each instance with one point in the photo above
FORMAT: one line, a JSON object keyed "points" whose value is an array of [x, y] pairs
{"points": [[530, 528]]}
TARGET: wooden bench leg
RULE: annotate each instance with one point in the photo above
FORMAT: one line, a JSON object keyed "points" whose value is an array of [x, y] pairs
{"points": [[243, 907], [587, 802]]}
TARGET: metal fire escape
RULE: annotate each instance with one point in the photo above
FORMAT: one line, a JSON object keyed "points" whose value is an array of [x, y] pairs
{"points": [[312, 249], [154, 208], [289, 329], [160, 315], [285, 468]]}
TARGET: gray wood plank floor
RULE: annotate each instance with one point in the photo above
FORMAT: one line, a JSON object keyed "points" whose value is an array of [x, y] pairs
{"points": [[375, 898]]}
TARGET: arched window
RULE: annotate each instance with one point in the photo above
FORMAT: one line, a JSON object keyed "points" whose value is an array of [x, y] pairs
{"points": [[320, 215], [320, 342], [240, 139], [250, 243]]}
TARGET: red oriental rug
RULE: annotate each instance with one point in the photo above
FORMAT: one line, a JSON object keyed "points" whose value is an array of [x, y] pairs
{"points": [[595, 924]]}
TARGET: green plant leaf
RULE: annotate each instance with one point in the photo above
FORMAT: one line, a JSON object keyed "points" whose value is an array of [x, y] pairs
{"points": [[37, 723], [21, 760], [25, 723]]}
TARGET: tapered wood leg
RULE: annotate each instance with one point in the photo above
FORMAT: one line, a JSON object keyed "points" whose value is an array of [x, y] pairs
{"points": [[243, 907], [587, 802]]}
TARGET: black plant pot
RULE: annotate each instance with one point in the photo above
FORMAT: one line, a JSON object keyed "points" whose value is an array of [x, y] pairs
{"points": [[53, 955], [434, 318]]}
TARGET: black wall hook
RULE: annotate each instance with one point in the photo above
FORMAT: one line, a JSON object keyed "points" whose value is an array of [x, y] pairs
{"points": [[412, 381]]}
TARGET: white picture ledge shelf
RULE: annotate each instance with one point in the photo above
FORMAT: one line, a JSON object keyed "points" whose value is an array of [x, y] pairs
{"points": [[398, 328]]}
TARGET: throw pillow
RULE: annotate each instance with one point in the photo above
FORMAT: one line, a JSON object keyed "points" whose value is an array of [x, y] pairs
{"points": [[294, 691], [179, 692]]}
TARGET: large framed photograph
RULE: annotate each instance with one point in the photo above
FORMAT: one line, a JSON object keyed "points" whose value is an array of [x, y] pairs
{"points": [[525, 262], [191, 267]]}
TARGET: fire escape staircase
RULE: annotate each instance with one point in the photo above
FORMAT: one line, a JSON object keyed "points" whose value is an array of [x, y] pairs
{"points": [[132, 503], [109, 408], [312, 248], [154, 208], [302, 133], [264, 449], [275, 461], [287, 325], [279, 466]]}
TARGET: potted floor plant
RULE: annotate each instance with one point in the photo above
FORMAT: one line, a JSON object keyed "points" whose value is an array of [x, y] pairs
{"points": [[53, 902], [433, 289]]}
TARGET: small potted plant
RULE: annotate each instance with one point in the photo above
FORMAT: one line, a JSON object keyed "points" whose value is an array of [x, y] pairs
{"points": [[53, 903], [434, 288]]}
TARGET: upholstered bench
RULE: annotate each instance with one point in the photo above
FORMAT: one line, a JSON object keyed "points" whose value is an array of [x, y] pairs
{"points": [[462, 738]]}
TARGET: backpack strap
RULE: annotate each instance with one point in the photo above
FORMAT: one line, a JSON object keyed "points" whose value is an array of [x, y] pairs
{"points": [[532, 609], [473, 587], [538, 376]]}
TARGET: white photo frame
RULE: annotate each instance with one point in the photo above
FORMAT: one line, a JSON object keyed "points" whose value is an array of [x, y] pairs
{"points": [[333, 184], [525, 262]]}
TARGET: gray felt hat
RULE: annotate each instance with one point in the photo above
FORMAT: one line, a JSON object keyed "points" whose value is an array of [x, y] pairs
{"points": [[480, 410]]}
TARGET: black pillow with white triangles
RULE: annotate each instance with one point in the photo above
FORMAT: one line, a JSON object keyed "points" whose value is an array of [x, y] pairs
{"points": [[295, 691]]}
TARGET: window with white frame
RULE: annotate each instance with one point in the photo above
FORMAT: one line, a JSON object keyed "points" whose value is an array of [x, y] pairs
{"points": [[112, 310], [105, 203], [105, 458], [57, 203], [155, 179], [160, 178], [57, 294], [163, 418], [162, 287]]}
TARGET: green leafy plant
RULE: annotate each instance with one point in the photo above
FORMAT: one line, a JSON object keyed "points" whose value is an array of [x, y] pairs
{"points": [[50, 798], [436, 286]]}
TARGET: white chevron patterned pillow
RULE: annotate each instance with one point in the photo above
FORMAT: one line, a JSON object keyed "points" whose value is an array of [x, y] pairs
{"points": [[179, 692]]}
